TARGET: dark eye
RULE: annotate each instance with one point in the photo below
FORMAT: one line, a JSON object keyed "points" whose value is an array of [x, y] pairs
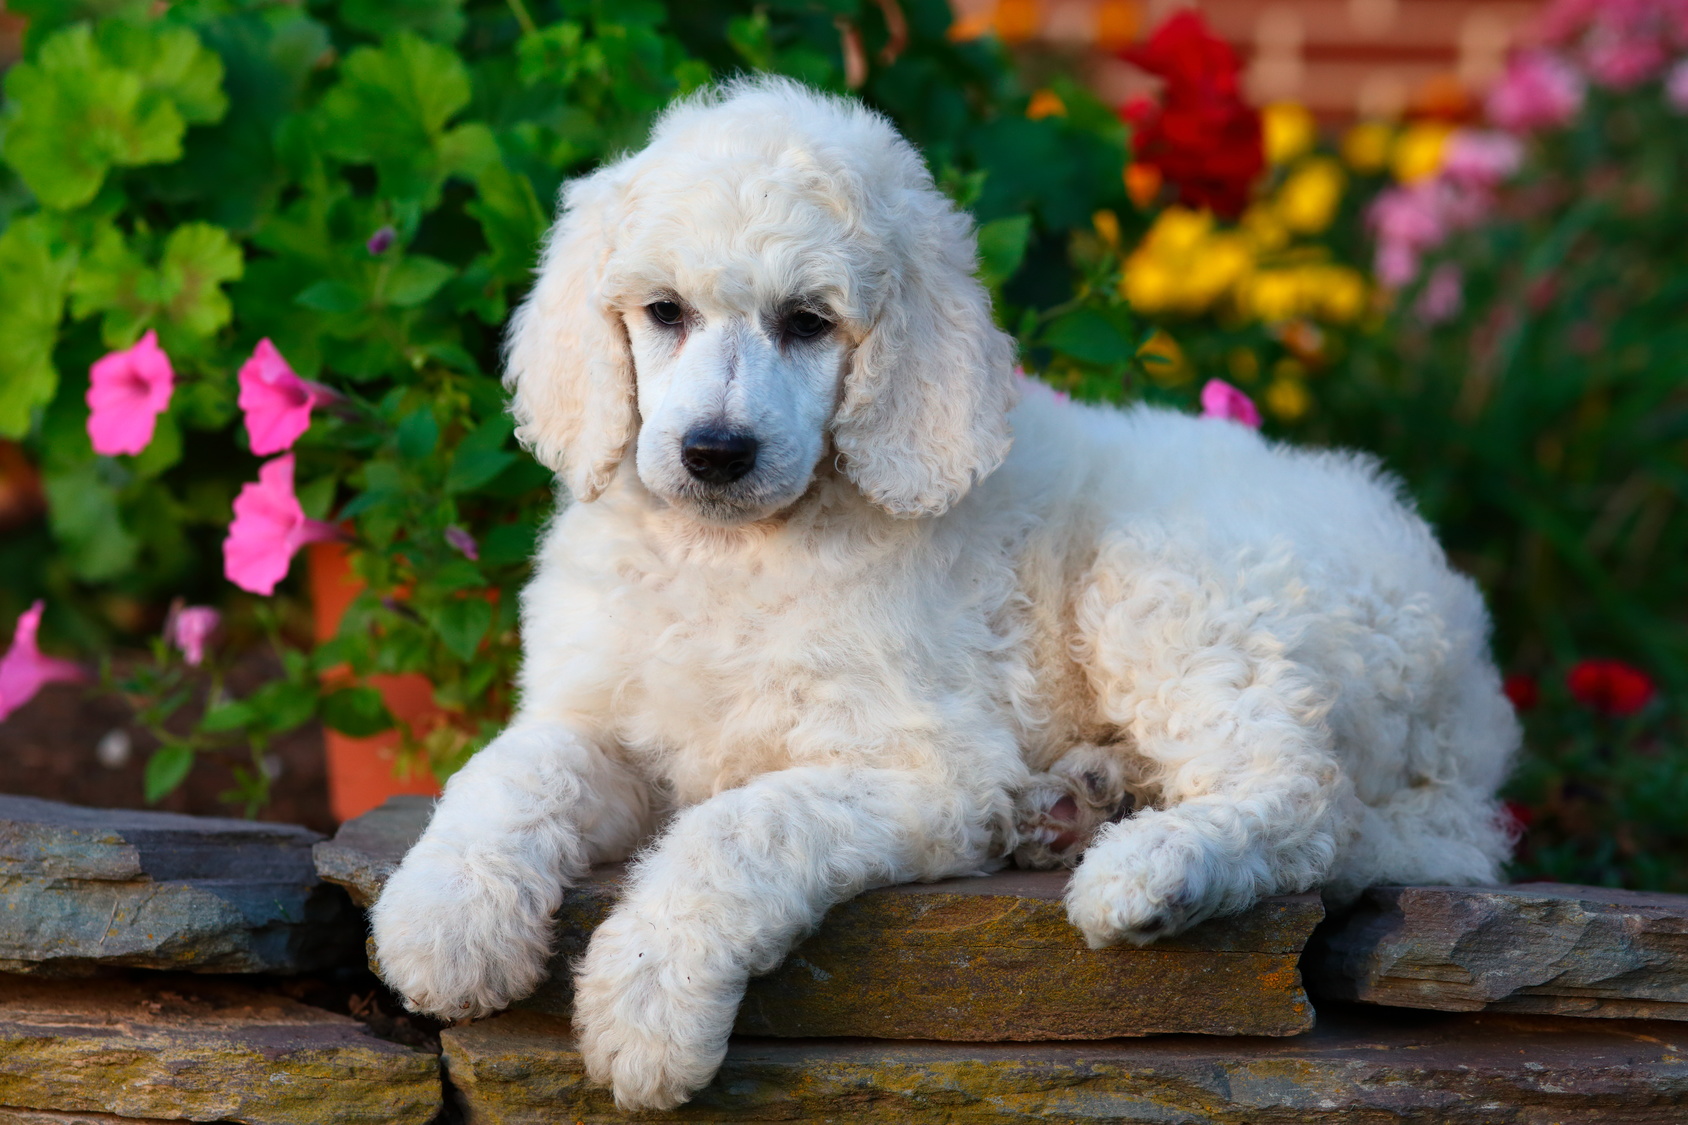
{"points": [[666, 312], [804, 324]]}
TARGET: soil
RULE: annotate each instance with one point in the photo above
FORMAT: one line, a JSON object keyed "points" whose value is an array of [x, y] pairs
{"points": [[48, 749]]}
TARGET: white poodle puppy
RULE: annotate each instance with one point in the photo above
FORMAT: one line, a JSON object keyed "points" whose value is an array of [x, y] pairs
{"points": [[841, 602]]}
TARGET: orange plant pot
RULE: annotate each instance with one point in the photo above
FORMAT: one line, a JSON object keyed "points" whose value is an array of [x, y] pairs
{"points": [[363, 772]]}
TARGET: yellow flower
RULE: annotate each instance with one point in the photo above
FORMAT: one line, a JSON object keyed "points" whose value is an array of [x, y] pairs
{"points": [[1308, 199], [1340, 293], [1164, 360], [1273, 294], [1366, 146], [1046, 103], [1264, 229], [1213, 269], [1418, 151], [1289, 131], [1287, 398], [1148, 285], [1107, 227]]}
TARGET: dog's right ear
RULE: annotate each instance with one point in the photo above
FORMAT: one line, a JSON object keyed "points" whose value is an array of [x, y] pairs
{"points": [[568, 365]]}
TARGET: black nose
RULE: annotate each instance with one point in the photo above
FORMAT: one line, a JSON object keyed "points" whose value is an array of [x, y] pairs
{"points": [[716, 457]]}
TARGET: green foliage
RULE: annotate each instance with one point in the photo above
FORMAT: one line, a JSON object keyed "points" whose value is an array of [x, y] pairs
{"points": [[216, 173]]}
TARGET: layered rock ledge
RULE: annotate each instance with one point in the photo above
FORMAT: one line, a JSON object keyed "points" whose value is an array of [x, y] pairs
{"points": [[1546, 948], [198, 1049], [1359, 1067], [990, 958], [102, 887]]}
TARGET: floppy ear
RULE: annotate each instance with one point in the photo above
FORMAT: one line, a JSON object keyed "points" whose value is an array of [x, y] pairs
{"points": [[925, 408], [568, 366]]}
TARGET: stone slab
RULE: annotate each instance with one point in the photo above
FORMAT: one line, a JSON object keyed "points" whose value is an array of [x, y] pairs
{"points": [[984, 958], [1546, 948], [85, 888], [197, 1049], [366, 849], [1359, 1067], [11, 1115]]}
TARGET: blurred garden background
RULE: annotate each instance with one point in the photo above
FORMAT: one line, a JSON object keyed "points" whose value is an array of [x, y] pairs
{"points": [[262, 520]]}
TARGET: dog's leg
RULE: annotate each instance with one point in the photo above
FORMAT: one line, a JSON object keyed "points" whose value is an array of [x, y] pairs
{"points": [[1059, 811], [463, 927], [733, 884], [1232, 733]]}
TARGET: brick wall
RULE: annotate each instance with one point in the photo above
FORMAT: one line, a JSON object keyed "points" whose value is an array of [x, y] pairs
{"points": [[1342, 58]]}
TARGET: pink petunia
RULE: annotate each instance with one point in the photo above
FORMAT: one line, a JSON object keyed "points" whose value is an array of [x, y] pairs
{"points": [[127, 391], [1221, 400], [1538, 90], [23, 670], [276, 402], [1482, 157], [189, 628], [268, 528], [1676, 87], [1443, 295]]}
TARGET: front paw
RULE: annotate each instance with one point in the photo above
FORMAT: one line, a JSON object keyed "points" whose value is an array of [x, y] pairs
{"points": [[652, 1011], [457, 942], [1141, 880]]}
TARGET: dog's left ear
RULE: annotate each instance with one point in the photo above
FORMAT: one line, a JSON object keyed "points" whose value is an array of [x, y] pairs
{"points": [[924, 414], [568, 365]]}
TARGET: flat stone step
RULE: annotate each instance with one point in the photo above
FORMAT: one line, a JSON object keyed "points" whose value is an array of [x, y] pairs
{"points": [[990, 958], [1547, 948], [199, 1049], [1360, 1066], [11, 1115], [85, 888]]}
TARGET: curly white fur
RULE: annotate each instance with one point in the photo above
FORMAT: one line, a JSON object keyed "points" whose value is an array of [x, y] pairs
{"points": [[885, 653]]}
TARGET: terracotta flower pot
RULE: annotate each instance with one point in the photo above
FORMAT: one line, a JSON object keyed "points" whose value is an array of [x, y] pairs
{"points": [[364, 772]]}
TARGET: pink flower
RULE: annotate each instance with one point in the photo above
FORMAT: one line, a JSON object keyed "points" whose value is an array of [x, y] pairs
{"points": [[23, 670], [1443, 295], [1482, 157], [1221, 400], [277, 403], [1538, 90], [127, 391], [269, 526], [462, 541], [1676, 87], [189, 628], [1622, 61]]}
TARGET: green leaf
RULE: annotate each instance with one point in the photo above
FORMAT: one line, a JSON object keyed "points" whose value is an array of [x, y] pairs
{"points": [[508, 543], [280, 706], [1002, 247], [436, 19], [330, 297], [316, 498], [83, 106], [1088, 335], [35, 272], [391, 108], [418, 434], [461, 623], [414, 280], [82, 512], [227, 716], [182, 295], [166, 769], [359, 712], [480, 456], [198, 259]]}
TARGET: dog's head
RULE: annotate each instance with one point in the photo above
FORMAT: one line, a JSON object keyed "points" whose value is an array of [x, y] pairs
{"points": [[772, 279]]}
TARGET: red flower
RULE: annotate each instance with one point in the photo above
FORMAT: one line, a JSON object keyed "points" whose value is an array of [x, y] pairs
{"points": [[1202, 137], [1524, 692], [1610, 687], [1520, 816]]}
